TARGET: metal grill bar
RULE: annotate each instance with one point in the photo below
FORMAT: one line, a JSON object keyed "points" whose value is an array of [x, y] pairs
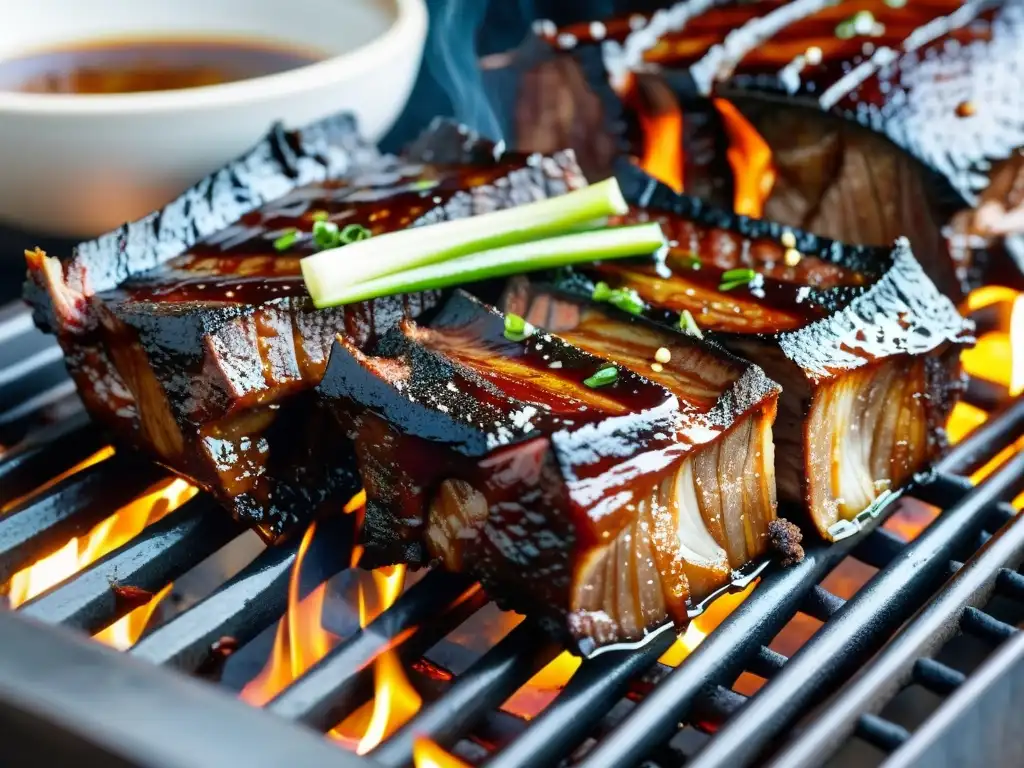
{"points": [[887, 736], [43, 524], [656, 718], [140, 716], [589, 694], [485, 685], [47, 453], [854, 633], [340, 682], [89, 600], [982, 625], [937, 677], [721, 656], [243, 606], [983, 707], [902, 659], [822, 604], [767, 663], [975, 450]]}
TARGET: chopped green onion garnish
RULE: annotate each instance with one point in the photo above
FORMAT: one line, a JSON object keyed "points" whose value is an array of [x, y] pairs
{"points": [[743, 273], [627, 300], [320, 216], [328, 276], [733, 284], [733, 278], [516, 328], [286, 241], [611, 243], [326, 234], [691, 261], [353, 233], [603, 377], [688, 325]]}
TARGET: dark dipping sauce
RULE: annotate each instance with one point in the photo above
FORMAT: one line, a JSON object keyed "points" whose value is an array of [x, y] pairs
{"points": [[148, 64]]}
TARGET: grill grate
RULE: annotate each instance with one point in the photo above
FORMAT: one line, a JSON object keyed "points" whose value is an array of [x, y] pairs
{"points": [[72, 697]]}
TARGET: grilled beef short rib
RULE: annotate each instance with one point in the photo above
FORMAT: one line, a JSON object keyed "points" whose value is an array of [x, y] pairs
{"points": [[864, 345], [883, 120], [190, 333], [608, 506]]}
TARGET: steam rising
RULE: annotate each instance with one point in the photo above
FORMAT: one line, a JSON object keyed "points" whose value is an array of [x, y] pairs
{"points": [[453, 62]]}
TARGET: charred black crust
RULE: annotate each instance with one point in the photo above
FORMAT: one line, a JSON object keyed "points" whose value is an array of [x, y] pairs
{"points": [[643, 191], [280, 162], [785, 539]]}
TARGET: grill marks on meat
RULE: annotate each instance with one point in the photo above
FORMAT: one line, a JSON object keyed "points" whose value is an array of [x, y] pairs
{"points": [[926, 93], [864, 346], [191, 334], [608, 510]]}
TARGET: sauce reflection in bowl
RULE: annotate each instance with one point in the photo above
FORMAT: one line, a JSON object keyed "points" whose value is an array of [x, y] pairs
{"points": [[110, 108]]}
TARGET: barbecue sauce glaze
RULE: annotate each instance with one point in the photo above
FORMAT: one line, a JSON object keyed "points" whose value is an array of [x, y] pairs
{"points": [[147, 64]]}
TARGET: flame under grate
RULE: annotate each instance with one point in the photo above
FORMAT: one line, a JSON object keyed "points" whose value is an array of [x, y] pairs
{"points": [[383, 689]]}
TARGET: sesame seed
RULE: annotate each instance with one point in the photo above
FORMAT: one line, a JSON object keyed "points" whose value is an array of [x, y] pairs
{"points": [[662, 355], [657, 367], [792, 257], [788, 239]]}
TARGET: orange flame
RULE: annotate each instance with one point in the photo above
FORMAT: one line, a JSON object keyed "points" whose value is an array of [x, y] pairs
{"points": [[300, 641], [427, 754], [80, 552], [541, 689], [750, 158], [663, 147], [702, 625], [103, 453], [395, 700]]}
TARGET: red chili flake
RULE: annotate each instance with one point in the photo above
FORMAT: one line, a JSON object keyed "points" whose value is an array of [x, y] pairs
{"points": [[130, 597]]}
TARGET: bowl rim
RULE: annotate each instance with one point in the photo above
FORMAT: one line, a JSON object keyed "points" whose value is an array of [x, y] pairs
{"points": [[408, 31]]}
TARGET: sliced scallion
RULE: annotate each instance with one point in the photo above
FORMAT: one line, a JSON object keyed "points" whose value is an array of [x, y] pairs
{"points": [[688, 325], [320, 216], [611, 243], [601, 291], [626, 299], [353, 233], [516, 328], [603, 377], [734, 278], [286, 241], [330, 273], [326, 234]]}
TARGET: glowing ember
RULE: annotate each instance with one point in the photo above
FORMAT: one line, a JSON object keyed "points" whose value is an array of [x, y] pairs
{"points": [[541, 689], [750, 159], [702, 625], [427, 754], [83, 551]]}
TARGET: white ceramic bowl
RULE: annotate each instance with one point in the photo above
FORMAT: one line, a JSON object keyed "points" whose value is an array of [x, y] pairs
{"points": [[81, 165]]}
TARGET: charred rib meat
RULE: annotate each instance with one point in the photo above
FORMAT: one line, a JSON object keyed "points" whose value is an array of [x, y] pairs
{"points": [[865, 347], [190, 332], [564, 472], [928, 109]]}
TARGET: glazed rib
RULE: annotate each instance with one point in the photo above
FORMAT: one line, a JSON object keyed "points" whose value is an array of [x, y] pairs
{"points": [[864, 346], [930, 117], [608, 509], [191, 335]]}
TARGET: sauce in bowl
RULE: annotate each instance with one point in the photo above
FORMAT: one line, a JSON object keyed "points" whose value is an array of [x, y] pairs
{"points": [[149, 64]]}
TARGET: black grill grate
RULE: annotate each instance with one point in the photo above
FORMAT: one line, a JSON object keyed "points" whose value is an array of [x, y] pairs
{"points": [[64, 697]]}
